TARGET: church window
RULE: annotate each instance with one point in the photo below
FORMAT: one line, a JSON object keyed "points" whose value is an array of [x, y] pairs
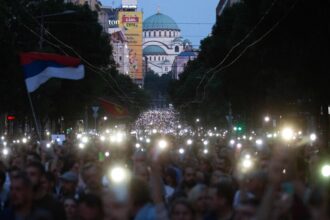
{"points": [[154, 33], [158, 58], [165, 33], [166, 69], [160, 33], [170, 33], [119, 58], [176, 49]]}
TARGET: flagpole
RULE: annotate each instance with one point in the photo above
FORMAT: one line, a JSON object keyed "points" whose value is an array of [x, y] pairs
{"points": [[34, 115]]}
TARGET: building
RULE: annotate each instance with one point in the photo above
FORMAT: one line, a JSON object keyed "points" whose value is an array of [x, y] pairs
{"points": [[162, 42], [223, 4], [120, 51], [181, 61]]}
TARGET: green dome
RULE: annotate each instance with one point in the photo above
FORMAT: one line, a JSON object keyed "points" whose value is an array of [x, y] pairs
{"points": [[154, 50], [160, 21]]}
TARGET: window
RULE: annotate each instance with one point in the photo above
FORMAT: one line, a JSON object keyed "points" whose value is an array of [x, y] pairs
{"points": [[154, 33], [166, 69], [165, 33], [120, 58], [176, 49], [170, 33], [158, 58], [160, 33]]}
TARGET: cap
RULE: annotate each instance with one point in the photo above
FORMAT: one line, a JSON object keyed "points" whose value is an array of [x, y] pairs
{"points": [[69, 177]]}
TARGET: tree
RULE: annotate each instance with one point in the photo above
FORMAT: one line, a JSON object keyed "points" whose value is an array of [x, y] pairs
{"points": [[285, 73], [75, 34]]}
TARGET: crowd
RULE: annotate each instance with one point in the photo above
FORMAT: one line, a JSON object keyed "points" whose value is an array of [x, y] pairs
{"points": [[65, 182]]}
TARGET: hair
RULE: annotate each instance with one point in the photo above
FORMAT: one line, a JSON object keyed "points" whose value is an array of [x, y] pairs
{"points": [[92, 201], [226, 191], [37, 165], [184, 202], [22, 176], [35, 155], [195, 192], [139, 192]]}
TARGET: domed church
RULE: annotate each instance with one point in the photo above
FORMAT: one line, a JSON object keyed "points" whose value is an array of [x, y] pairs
{"points": [[162, 42]]}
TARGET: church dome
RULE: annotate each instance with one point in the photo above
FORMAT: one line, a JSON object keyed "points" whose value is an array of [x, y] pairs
{"points": [[160, 21], [153, 50]]}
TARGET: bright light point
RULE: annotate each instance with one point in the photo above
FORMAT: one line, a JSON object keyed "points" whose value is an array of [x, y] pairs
{"points": [[189, 142], [105, 118], [5, 151], [247, 156], [300, 133], [84, 140], [2, 138], [5, 143], [205, 143], [107, 154], [118, 175], [179, 126], [267, 119], [107, 131], [48, 145], [141, 138], [259, 142], [244, 137], [197, 120], [251, 138], [79, 136], [48, 133], [235, 128], [239, 145], [18, 141], [284, 171], [205, 151], [287, 134], [102, 138], [154, 131], [81, 146], [232, 142], [269, 135], [313, 137], [325, 171], [181, 151], [247, 163], [148, 140], [137, 145], [162, 144]]}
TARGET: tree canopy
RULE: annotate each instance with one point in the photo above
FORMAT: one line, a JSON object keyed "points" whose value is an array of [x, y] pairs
{"points": [[68, 30], [281, 73]]}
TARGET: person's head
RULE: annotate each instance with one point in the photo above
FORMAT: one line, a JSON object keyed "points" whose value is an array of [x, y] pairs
{"points": [[139, 194], [224, 195], [69, 182], [70, 206], [257, 182], [189, 177], [21, 193], [90, 207], [170, 177], [18, 161], [114, 208], [32, 157], [48, 182], [246, 210], [35, 171], [223, 164], [92, 176], [141, 171], [198, 198], [181, 210]]}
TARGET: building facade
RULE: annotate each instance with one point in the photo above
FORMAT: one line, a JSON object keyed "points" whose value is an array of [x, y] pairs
{"points": [[162, 42], [181, 61]]}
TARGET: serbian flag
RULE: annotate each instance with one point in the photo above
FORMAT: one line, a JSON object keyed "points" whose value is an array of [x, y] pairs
{"points": [[40, 67], [114, 109]]}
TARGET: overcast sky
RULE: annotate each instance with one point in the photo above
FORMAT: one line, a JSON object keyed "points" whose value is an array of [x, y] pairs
{"points": [[194, 17]]}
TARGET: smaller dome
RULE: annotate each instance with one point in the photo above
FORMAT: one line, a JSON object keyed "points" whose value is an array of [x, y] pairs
{"points": [[177, 39], [153, 50], [186, 41]]}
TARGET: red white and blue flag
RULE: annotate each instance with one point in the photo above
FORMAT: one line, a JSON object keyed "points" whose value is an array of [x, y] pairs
{"points": [[40, 67]]}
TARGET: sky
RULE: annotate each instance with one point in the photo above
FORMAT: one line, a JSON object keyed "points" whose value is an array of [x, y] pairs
{"points": [[194, 17]]}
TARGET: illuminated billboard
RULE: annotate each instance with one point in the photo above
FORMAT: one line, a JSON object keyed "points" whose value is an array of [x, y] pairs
{"points": [[131, 22]]}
